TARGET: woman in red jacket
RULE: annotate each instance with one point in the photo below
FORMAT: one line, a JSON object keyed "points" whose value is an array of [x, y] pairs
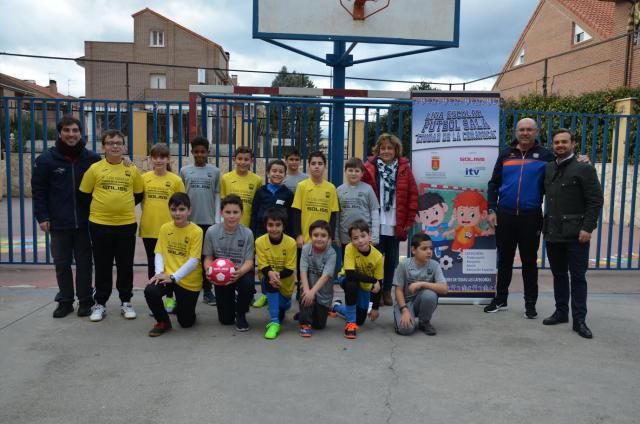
{"points": [[391, 177]]}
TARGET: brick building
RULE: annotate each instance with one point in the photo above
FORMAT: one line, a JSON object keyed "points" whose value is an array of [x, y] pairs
{"points": [[160, 41], [570, 47]]}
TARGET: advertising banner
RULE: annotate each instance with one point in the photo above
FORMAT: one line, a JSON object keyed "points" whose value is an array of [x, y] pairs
{"points": [[455, 139]]}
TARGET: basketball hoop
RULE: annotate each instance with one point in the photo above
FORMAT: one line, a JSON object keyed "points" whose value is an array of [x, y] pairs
{"points": [[358, 12]]}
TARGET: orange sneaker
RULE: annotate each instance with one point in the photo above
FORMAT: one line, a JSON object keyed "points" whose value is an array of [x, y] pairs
{"points": [[306, 330], [350, 330]]}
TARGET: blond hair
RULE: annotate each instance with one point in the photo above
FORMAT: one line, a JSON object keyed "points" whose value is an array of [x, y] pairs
{"points": [[390, 138]]}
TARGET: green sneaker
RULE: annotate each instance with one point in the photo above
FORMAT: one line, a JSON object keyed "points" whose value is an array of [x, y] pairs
{"points": [[273, 328], [260, 301], [169, 304]]}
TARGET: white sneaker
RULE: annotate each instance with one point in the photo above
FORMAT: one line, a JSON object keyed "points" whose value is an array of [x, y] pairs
{"points": [[97, 313], [127, 311]]}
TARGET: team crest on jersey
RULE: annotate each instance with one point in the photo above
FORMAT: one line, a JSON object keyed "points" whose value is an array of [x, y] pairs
{"points": [[327, 194], [240, 243], [167, 184], [209, 175], [127, 173], [361, 194], [251, 186], [186, 240]]}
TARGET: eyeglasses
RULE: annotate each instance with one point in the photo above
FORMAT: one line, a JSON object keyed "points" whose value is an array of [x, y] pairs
{"points": [[114, 143]]}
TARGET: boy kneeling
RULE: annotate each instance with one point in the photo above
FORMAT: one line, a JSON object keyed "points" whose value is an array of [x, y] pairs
{"points": [[177, 267], [418, 281]]}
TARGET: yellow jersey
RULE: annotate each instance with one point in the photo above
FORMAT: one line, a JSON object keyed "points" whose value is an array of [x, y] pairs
{"points": [[371, 264], [112, 188], [244, 186], [315, 201], [278, 257], [155, 203], [177, 245]]}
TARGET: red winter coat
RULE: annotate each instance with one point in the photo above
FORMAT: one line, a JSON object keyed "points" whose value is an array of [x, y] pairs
{"points": [[406, 193]]}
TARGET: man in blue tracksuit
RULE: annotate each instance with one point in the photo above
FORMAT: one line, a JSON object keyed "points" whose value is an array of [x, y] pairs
{"points": [[515, 194], [56, 177]]}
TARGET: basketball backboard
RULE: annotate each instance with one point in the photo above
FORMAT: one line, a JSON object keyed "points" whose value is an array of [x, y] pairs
{"points": [[404, 22]]}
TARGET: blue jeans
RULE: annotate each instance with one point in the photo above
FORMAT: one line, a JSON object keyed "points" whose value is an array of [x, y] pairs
{"points": [[569, 262], [390, 247]]}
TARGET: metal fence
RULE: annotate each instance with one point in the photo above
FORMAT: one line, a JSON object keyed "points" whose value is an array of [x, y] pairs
{"points": [[270, 126]]}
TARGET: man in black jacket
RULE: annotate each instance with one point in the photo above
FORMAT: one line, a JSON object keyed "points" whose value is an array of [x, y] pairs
{"points": [[56, 177], [573, 204]]}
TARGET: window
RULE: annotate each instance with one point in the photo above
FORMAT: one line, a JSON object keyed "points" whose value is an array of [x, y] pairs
{"points": [[156, 39], [158, 81], [579, 34], [202, 76], [520, 59]]}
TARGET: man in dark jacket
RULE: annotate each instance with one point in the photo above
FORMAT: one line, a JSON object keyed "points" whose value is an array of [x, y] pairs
{"points": [[574, 202], [56, 177]]}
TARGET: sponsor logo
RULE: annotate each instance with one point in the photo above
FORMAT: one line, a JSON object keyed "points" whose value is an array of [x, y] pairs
{"points": [[473, 172], [472, 159], [58, 171]]}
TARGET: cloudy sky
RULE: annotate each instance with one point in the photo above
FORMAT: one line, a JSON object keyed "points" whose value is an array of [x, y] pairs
{"points": [[488, 31]]}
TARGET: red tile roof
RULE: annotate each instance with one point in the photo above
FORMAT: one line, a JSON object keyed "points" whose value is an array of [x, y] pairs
{"points": [[31, 89], [595, 13]]}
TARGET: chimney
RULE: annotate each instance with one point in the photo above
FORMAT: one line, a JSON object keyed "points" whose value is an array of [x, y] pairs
{"points": [[234, 79], [53, 86]]}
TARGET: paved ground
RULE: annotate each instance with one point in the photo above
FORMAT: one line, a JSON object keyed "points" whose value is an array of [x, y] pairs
{"points": [[496, 368]]}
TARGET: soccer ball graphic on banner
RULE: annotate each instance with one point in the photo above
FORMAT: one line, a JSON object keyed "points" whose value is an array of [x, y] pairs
{"points": [[220, 271]]}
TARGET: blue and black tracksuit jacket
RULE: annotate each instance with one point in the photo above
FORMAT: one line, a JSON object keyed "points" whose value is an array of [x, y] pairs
{"points": [[517, 184]]}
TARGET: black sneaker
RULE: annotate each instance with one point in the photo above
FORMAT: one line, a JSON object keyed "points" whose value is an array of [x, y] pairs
{"points": [[530, 311], [494, 307], [428, 329], [209, 298], [63, 309], [241, 323], [84, 310]]}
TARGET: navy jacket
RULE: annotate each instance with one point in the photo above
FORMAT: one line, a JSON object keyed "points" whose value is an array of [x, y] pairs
{"points": [[516, 185], [263, 200], [54, 187]]}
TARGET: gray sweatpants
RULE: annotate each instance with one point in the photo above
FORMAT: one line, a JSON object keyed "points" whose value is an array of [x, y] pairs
{"points": [[422, 307]]}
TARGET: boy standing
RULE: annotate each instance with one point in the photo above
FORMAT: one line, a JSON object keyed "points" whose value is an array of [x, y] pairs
{"points": [[114, 190], [177, 267], [233, 241], [294, 175], [242, 182], [276, 256], [361, 275], [357, 201], [317, 264], [202, 183], [418, 282]]}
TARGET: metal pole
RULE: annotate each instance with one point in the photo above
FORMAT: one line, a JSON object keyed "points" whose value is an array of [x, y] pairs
{"points": [[544, 78], [336, 149]]}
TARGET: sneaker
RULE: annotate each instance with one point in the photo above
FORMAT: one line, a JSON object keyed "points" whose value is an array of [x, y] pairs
{"points": [[350, 330], [386, 299], [296, 316], [306, 330], [127, 311], [63, 309], [84, 310], [241, 323], [260, 302], [530, 311], [494, 307], [169, 304], [332, 312], [98, 312], [159, 329], [428, 329], [209, 298], [273, 329]]}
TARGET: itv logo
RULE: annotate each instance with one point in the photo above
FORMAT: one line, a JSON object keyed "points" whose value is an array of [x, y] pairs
{"points": [[472, 172]]}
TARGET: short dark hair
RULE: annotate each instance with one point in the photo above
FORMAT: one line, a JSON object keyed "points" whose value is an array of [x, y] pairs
{"points": [[199, 141], [232, 199], [419, 238], [354, 163], [110, 134], [275, 214], [322, 224], [317, 154], [562, 131], [243, 149], [67, 120], [429, 200], [276, 162], [178, 199], [359, 224], [292, 152]]}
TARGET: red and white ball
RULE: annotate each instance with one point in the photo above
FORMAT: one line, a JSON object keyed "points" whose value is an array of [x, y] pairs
{"points": [[220, 271]]}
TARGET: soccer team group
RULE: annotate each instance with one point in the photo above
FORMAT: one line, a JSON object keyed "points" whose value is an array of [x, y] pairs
{"points": [[286, 228]]}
